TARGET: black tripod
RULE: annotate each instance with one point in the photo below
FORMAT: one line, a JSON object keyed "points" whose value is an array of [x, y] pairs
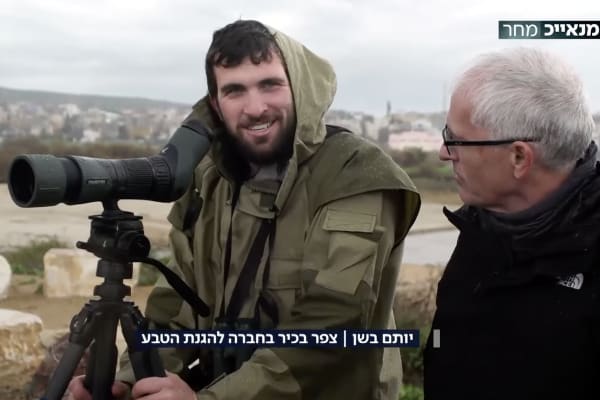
{"points": [[117, 238]]}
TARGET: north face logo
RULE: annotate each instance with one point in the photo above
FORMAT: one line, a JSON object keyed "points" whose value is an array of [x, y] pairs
{"points": [[573, 281]]}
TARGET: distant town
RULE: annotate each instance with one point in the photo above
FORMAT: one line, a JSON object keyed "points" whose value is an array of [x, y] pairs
{"points": [[88, 119]]}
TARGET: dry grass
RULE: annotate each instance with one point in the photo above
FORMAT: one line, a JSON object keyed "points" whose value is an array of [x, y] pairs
{"points": [[415, 295], [441, 197]]}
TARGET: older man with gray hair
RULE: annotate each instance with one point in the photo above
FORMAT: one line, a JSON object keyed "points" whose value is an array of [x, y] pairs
{"points": [[518, 306]]}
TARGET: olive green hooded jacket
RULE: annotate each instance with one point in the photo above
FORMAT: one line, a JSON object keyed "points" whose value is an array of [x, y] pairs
{"points": [[341, 208]]}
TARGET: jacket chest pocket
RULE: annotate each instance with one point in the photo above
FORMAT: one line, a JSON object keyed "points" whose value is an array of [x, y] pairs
{"points": [[284, 283]]}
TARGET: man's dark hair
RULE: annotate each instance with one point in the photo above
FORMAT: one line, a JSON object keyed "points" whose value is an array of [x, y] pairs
{"points": [[234, 43]]}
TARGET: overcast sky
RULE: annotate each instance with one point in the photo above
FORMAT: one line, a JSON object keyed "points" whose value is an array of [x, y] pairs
{"points": [[404, 51]]}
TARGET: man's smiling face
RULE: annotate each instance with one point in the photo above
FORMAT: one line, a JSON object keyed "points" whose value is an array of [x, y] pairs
{"points": [[256, 105]]}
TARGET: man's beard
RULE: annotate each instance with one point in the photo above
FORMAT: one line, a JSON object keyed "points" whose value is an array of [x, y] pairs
{"points": [[280, 152]]}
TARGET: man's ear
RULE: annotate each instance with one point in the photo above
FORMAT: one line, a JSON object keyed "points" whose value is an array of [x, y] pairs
{"points": [[521, 158]]}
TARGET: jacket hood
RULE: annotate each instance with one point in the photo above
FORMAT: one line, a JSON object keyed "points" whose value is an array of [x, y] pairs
{"points": [[314, 84]]}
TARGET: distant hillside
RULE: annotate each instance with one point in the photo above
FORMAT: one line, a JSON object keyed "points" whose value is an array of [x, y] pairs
{"points": [[84, 101]]}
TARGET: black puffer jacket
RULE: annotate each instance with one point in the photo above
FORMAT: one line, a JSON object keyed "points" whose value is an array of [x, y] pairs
{"points": [[518, 306]]}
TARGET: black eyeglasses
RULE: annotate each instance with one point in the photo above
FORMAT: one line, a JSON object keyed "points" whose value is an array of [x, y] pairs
{"points": [[446, 132]]}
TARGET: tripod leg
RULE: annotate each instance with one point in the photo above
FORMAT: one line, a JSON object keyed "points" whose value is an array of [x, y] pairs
{"points": [[81, 334], [146, 362], [101, 376]]}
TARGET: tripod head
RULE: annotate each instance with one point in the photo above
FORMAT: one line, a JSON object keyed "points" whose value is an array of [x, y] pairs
{"points": [[116, 235]]}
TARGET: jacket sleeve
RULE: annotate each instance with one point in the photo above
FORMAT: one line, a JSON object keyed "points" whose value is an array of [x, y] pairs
{"points": [[165, 309], [346, 248]]}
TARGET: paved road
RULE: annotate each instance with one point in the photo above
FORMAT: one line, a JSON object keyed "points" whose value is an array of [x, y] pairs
{"points": [[429, 248]]}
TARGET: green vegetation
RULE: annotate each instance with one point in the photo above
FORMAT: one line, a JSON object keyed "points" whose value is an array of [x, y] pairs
{"points": [[411, 392], [412, 364], [29, 259], [426, 170], [149, 273], [412, 360]]}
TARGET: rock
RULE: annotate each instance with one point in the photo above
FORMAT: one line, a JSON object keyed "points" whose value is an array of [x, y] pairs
{"points": [[21, 351], [56, 344], [72, 272], [5, 277], [49, 337]]}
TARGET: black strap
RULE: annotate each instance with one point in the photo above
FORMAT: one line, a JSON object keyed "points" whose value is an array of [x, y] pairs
{"points": [[249, 270], [234, 199], [241, 290], [180, 287], [266, 301]]}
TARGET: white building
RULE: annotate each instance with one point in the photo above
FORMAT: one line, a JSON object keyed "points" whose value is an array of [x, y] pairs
{"points": [[422, 124], [423, 140], [90, 136], [69, 109]]}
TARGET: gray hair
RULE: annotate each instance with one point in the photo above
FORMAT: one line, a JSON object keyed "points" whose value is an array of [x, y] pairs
{"points": [[529, 93]]}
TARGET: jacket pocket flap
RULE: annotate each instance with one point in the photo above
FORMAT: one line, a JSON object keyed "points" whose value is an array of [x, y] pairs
{"points": [[346, 221]]}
